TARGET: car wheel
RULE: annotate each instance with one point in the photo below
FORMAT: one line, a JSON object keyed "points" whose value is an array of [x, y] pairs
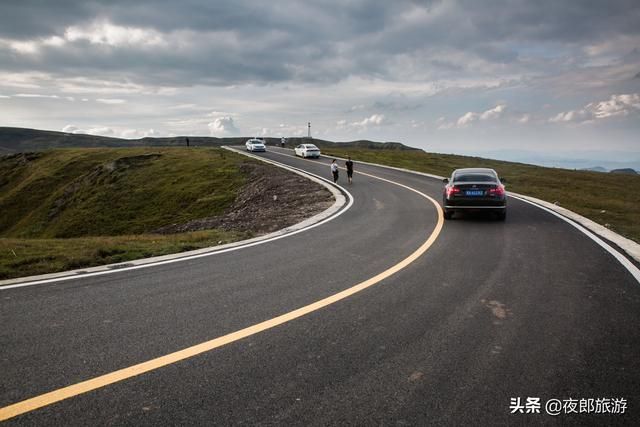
{"points": [[502, 215], [448, 214]]}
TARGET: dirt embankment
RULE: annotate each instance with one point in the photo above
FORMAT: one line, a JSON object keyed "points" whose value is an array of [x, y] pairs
{"points": [[272, 199]]}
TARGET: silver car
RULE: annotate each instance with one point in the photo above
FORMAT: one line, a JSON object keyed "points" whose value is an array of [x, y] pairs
{"points": [[255, 144], [307, 150]]}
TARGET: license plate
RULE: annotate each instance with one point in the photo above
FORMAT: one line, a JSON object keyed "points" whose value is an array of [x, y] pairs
{"points": [[474, 193]]}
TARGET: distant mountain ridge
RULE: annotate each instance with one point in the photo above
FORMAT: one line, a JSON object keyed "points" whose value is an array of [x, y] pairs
{"points": [[16, 140], [627, 171], [576, 159]]}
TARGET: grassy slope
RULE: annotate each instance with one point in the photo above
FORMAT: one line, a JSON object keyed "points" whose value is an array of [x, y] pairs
{"points": [[26, 257], [76, 193], [115, 195], [94, 192], [587, 193], [14, 140]]}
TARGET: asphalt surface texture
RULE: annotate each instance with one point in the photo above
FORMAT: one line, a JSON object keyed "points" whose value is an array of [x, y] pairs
{"points": [[492, 312]]}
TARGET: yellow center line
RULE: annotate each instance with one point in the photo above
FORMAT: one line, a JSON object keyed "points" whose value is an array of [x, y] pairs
{"points": [[58, 395]]}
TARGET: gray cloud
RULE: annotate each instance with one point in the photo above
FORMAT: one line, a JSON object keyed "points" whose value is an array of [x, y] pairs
{"points": [[24, 20], [393, 70], [222, 43]]}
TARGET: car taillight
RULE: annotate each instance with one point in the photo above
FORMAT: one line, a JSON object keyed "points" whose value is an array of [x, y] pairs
{"points": [[452, 190], [497, 191]]}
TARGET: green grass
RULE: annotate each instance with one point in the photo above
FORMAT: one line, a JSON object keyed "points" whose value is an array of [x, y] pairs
{"points": [[608, 199], [75, 208], [96, 192], [26, 257]]}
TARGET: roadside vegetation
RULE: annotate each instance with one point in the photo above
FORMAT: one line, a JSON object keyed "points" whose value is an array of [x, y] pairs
{"points": [[612, 200], [26, 257], [76, 208]]}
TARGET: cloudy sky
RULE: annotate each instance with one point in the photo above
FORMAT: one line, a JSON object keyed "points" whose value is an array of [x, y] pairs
{"points": [[448, 76]]}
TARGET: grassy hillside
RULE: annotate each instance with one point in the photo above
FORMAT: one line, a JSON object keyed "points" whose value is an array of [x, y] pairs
{"points": [[82, 193], [609, 199], [53, 202], [27, 257], [95, 192], [16, 140]]}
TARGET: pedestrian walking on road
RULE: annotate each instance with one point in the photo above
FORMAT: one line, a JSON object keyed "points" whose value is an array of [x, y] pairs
{"points": [[334, 170], [349, 165]]}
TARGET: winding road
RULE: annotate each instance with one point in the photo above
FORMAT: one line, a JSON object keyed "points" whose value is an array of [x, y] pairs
{"points": [[384, 315]]}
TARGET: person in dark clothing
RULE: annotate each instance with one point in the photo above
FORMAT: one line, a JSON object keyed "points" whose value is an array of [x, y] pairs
{"points": [[349, 165], [334, 170]]}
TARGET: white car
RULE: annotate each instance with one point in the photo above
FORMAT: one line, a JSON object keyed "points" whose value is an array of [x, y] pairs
{"points": [[307, 150], [255, 144]]}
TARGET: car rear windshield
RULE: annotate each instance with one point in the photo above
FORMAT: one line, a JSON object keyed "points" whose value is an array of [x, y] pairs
{"points": [[311, 147], [475, 177]]}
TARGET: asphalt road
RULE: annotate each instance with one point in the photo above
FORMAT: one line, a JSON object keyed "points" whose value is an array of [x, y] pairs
{"points": [[492, 311]]}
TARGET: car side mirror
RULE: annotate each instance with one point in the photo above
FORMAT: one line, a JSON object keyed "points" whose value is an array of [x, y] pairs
{"points": [[446, 180], [503, 180]]}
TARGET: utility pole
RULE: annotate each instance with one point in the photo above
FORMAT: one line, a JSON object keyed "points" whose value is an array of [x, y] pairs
{"points": [[309, 132]]}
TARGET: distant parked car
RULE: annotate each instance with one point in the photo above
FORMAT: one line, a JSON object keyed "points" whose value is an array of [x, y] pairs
{"points": [[255, 144], [307, 150], [476, 189]]}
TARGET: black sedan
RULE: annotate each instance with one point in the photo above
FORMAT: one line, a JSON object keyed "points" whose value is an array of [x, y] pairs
{"points": [[474, 189]]}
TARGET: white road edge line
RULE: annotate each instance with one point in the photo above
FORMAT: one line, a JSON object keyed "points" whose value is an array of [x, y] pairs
{"points": [[627, 245], [635, 272], [583, 224], [123, 374], [337, 209]]}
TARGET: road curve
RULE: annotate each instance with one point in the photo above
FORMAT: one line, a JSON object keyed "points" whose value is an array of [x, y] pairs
{"points": [[492, 311]]}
